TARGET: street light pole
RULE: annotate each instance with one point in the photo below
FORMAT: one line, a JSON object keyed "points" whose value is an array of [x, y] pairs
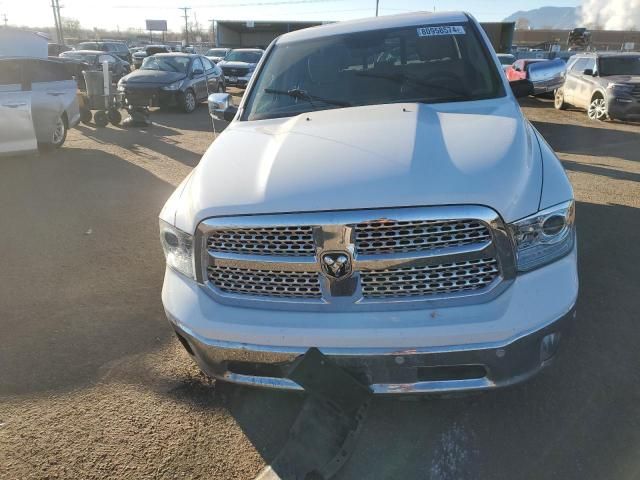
{"points": [[186, 25], [377, 4]]}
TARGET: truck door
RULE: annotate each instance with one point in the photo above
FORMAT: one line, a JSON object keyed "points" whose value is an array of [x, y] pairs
{"points": [[16, 127], [53, 90]]}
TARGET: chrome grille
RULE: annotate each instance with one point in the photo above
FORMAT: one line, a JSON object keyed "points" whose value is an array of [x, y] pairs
{"points": [[635, 93], [428, 280], [399, 258], [272, 283], [378, 237], [293, 241]]}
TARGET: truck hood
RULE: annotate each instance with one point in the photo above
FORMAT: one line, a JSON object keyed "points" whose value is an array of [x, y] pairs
{"points": [[237, 64], [394, 155], [631, 79]]}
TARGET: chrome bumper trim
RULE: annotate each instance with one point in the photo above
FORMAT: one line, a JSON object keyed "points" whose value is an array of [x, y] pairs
{"points": [[506, 363]]}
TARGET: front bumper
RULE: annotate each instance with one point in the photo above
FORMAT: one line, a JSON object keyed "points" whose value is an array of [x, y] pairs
{"points": [[457, 348], [387, 372], [236, 81], [623, 107], [152, 97]]}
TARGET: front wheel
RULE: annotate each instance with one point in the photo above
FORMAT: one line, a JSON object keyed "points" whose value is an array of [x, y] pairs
{"points": [[558, 100], [597, 109], [59, 134], [189, 103]]}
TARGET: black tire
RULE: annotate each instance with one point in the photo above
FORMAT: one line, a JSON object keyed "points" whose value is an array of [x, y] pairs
{"points": [[189, 101], [86, 116], [558, 100], [100, 118], [114, 116]]}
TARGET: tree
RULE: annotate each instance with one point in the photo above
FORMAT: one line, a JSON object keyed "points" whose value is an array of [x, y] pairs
{"points": [[71, 27]]}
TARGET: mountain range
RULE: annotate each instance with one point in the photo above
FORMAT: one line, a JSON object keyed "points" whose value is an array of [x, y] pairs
{"points": [[548, 17]]}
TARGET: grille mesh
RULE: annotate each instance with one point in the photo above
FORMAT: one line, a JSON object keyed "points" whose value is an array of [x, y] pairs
{"points": [[265, 282], [294, 241], [379, 237], [429, 280]]}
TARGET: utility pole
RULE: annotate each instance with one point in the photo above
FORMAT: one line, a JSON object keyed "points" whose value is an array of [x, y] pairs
{"points": [[55, 19], [5, 19], [377, 5], [186, 24]]}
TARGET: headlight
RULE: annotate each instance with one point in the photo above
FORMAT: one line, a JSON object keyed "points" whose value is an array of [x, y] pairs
{"points": [[545, 236], [620, 87], [121, 86], [174, 86], [178, 248]]}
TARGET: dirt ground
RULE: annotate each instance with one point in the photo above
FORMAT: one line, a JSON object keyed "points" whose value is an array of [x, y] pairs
{"points": [[93, 384]]}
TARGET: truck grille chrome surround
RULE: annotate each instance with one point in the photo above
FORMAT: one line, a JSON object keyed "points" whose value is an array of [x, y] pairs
{"points": [[399, 258]]}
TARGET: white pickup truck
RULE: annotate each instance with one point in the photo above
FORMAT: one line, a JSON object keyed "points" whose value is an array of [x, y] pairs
{"points": [[378, 195]]}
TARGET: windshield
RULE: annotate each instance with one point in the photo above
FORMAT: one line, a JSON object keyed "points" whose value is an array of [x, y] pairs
{"points": [[413, 64], [89, 46], [166, 64], [216, 52], [619, 66], [243, 56], [85, 57]]}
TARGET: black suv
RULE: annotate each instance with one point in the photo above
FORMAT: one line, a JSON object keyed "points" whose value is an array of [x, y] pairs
{"points": [[605, 84], [114, 47]]}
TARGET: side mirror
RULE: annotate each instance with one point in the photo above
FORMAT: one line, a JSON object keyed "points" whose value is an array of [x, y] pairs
{"points": [[588, 72], [220, 107], [521, 88], [197, 72]]}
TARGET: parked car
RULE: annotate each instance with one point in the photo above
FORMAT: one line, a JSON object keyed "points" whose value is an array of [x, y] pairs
{"points": [[55, 49], [402, 216], [37, 104], [94, 58], [148, 51], [239, 64], [173, 79], [116, 48], [506, 60], [545, 75], [217, 54], [606, 84]]}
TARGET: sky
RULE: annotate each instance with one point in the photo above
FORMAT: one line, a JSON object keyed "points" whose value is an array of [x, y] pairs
{"points": [[123, 14]]}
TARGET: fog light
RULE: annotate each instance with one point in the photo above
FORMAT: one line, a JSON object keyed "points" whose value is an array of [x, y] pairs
{"points": [[549, 346]]}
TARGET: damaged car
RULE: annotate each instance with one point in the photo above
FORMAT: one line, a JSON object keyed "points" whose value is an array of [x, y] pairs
{"points": [[377, 195]]}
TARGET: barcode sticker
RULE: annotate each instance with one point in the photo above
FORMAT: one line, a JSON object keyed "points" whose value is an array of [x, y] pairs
{"points": [[442, 30]]}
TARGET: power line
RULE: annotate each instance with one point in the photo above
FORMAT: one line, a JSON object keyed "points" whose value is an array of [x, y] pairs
{"points": [[269, 3], [186, 24]]}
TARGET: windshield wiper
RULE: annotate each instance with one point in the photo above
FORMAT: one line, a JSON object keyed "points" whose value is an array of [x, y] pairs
{"points": [[402, 78], [300, 94]]}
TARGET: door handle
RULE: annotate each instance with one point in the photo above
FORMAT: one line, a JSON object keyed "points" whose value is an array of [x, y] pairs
{"points": [[13, 105], [55, 94]]}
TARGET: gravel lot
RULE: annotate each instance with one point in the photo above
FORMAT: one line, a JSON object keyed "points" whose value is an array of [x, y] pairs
{"points": [[94, 385]]}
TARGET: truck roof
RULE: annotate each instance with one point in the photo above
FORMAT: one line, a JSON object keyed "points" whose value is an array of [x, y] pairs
{"points": [[375, 23]]}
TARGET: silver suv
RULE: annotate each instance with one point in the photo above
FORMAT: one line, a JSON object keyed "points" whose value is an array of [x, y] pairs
{"points": [[607, 85]]}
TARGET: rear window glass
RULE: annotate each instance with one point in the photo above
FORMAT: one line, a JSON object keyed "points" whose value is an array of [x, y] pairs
{"points": [[89, 46], [46, 71]]}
